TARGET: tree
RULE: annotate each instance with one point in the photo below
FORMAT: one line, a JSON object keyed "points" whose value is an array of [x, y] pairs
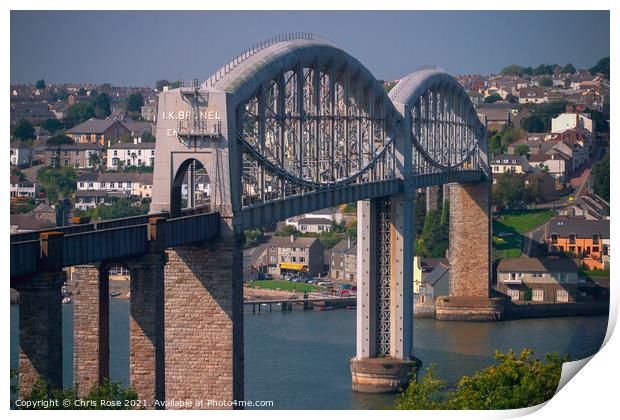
{"points": [[522, 149], [147, 137], [495, 145], [513, 382], [545, 82], [161, 83], [105, 396], [287, 230], [512, 98], [492, 98], [81, 92], [433, 242], [101, 105], [513, 70], [135, 102], [52, 125], [602, 66], [94, 160], [24, 130], [533, 191], [533, 124], [544, 69], [600, 177], [40, 84], [117, 209], [508, 192], [569, 68], [57, 182], [77, 114], [548, 111]]}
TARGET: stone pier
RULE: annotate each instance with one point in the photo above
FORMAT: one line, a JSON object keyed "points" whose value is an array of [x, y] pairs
{"points": [[146, 328], [470, 257], [40, 330], [432, 198], [204, 322], [91, 325]]}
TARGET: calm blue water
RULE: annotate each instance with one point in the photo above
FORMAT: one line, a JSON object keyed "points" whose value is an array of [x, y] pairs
{"points": [[300, 360]]}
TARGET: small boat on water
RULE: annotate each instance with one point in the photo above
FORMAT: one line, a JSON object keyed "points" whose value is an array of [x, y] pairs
{"points": [[327, 308], [115, 294], [66, 300]]}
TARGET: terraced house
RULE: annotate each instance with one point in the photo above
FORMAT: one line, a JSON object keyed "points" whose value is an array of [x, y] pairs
{"points": [[585, 239], [98, 131]]}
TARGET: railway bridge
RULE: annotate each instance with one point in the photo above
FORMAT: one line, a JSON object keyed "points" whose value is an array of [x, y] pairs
{"points": [[292, 125]]}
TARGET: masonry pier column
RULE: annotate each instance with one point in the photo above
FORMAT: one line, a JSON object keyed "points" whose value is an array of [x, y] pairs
{"points": [[432, 198], [470, 257], [146, 328], [40, 317], [40, 330], [204, 321], [91, 327], [146, 324], [384, 357]]}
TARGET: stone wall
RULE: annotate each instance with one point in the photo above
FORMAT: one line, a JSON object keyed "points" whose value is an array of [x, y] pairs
{"points": [[146, 328], [204, 322], [469, 240], [40, 330], [91, 325]]}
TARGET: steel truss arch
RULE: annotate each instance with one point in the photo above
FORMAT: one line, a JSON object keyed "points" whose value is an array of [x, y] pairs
{"points": [[445, 131], [309, 117]]}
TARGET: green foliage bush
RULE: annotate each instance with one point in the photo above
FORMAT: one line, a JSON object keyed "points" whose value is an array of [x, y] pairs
{"points": [[513, 382]]}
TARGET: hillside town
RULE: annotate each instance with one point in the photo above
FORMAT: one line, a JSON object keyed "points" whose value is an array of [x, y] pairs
{"points": [[85, 152]]}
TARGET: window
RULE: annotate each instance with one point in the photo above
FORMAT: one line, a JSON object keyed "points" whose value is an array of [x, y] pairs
{"points": [[283, 258], [538, 295], [595, 238], [302, 259], [116, 153], [513, 294], [272, 259], [293, 259], [571, 238], [554, 238], [303, 227], [513, 276], [561, 296], [595, 249]]}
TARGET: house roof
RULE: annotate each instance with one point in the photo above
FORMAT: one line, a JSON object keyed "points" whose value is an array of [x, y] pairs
{"points": [[19, 145], [144, 178], [298, 242], [28, 222], [75, 146], [93, 126], [44, 208], [314, 221], [440, 272], [511, 160], [143, 145], [581, 228], [538, 265], [137, 127], [343, 246]]}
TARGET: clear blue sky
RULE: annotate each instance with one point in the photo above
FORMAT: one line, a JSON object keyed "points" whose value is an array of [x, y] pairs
{"points": [[139, 48]]}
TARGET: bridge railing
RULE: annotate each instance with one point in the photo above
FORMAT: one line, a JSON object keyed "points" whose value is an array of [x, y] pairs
{"points": [[191, 229], [24, 257], [87, 227], [108, 244]]}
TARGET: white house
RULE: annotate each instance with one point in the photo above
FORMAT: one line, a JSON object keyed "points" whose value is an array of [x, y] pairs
{"points": [[569, 120], [137, 153], [22, 188], [21, 154]]}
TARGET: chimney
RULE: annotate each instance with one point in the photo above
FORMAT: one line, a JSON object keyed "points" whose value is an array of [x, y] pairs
{"points": [[349, 242], [109, 143], [135, 140], [139, 139], [292, 238]]}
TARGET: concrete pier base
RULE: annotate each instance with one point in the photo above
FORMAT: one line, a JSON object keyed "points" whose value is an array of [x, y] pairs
{"points": [[469, 308], [382, 375]]}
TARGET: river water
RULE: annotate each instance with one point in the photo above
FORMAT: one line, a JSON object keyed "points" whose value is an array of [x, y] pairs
{"points": [[299, 359]]}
